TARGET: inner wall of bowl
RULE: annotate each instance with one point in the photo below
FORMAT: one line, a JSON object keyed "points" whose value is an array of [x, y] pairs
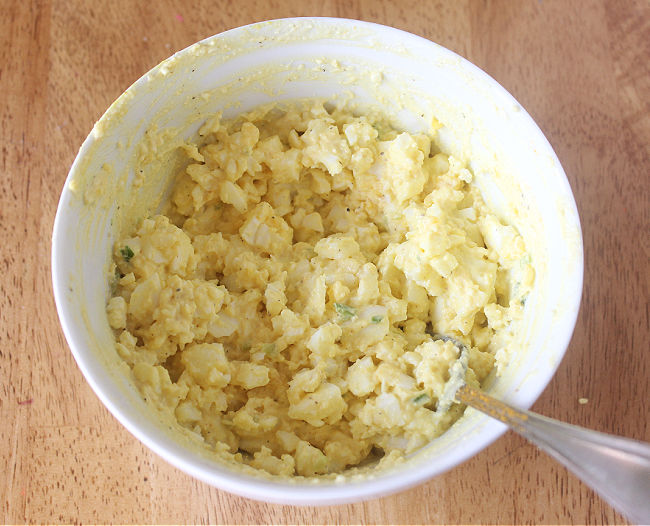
{"points": [[371, 67]]}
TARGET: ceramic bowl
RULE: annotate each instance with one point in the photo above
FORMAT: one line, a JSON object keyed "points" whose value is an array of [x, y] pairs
{"points": [[371, 66]]}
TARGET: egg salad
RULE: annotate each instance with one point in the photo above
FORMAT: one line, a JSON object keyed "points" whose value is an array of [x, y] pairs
{"points": [[289, 305]]}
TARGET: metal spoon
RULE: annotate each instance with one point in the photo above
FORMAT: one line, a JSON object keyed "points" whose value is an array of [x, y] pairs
{"points": [[617, 468]]}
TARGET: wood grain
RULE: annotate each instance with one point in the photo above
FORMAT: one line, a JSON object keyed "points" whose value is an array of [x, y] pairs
{"points": [[581, 68]]}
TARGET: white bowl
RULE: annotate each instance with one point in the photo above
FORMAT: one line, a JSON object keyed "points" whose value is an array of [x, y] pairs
{"points": [[412, 79]]}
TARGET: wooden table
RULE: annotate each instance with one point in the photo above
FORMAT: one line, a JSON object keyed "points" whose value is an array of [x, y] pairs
{"points": [[581, 68]]}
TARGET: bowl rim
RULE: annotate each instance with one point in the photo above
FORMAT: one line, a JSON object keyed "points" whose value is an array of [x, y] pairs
{"points": [[324, 492]]}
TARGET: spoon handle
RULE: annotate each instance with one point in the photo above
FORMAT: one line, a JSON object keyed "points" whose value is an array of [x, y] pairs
{"points": [[617, 468]]}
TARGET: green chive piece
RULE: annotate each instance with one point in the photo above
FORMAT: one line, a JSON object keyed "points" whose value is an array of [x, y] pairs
{"points": [[127, 253], [345, 311], [422, 399]]}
